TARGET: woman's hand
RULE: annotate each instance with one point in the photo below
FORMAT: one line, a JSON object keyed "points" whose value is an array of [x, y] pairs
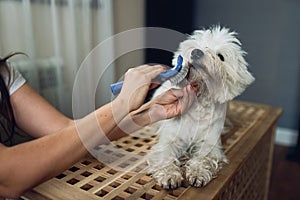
{"points": [[169, 104], [137, 83]]}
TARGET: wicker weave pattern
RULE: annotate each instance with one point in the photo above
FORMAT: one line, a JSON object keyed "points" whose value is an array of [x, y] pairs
{"points": [[94, 180], [249, 182]]}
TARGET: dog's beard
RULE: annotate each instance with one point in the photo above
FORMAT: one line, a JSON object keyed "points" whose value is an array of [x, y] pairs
{"points": [[213, 80], [209, 82]]}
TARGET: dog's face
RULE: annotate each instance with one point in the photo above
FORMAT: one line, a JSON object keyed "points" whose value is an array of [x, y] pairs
{"points": [[214, 62]]}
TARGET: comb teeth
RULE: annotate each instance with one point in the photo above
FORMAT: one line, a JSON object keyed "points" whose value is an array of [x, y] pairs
{"points": [[180, 76]]}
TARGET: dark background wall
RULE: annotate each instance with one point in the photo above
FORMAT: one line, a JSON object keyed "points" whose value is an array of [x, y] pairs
{"points": [[174, 15], [269, 31]]}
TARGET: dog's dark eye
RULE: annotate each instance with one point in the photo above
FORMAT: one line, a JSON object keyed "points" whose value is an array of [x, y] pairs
{"points": [[221, 57]]}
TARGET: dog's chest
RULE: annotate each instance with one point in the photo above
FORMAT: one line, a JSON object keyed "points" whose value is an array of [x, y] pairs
{"points": [[201, 110], [200, 119]]}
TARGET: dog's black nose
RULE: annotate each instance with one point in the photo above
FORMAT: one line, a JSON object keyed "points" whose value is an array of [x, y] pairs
{"points": [[196, 54]]}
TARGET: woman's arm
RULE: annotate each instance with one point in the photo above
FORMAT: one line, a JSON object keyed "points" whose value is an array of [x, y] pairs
{"points": [[26, 165], [34, 114]]}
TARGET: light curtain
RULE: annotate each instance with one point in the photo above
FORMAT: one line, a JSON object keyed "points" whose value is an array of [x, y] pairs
{"points": [[57, 35]]}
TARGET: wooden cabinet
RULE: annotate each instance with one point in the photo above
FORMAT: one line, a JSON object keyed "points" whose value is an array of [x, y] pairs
{"points": [[248, 145]]}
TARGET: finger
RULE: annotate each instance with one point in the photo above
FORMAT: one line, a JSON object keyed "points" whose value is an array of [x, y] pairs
{"points": [[142, 67], [148, 68], [154, 71], [188, 98], [147, 74], [184, 101], [154, 85], [192, 94], [177, 92]]}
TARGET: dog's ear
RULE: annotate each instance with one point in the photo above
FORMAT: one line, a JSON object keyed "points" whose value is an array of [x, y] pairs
{"points": [[236, 76]]}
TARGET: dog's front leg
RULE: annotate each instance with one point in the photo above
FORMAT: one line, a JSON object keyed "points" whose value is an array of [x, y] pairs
{"points": [[201, 168], [207, 154], [163, 164]]}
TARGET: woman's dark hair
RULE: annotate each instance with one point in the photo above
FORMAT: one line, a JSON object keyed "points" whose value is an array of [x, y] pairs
{"points": [[6, 108]]}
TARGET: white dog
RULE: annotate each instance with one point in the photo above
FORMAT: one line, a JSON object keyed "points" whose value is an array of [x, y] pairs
{"points": [[214, 64]]}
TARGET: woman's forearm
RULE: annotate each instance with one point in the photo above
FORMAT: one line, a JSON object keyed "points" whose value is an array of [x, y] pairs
{"points": [[101, 124], [26, 165]]}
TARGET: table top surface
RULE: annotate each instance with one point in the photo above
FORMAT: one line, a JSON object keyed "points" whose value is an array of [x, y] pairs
{"points": [[124, 176]]}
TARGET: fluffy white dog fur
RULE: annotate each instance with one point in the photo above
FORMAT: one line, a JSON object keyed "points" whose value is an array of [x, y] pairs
{"points": [[214, 64]]}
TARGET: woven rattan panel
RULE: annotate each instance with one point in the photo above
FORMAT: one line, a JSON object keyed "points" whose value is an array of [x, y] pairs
{"points": [[91, 179], [250, 180]]}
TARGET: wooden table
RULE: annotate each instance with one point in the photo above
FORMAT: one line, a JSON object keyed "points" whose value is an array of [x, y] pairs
{"points": [[248, 145]]}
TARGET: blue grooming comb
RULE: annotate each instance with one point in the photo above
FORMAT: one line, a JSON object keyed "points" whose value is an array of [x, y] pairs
{"points": [[116, 87]]}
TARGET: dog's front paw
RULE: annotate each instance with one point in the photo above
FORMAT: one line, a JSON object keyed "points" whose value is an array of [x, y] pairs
{"points": [[199, 172], [169, 177]]}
